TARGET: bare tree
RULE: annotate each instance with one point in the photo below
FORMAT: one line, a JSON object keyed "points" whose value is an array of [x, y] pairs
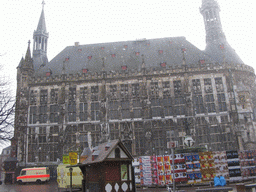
{"points": [[7, 107]]}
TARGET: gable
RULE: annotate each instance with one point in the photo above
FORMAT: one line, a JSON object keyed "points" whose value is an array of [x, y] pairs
{"points": [[113, 153]]}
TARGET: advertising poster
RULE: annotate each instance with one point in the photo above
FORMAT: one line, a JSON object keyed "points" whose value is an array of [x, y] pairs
{"points": [[167, 169], [145, 170], [160, 170]]}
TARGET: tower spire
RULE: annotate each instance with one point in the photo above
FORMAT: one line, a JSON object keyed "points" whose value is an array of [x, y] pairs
{"points": [[216, 43], [40, 42]]}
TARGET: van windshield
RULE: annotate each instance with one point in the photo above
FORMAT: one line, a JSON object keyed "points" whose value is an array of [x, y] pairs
{"points": [[23, 173]]}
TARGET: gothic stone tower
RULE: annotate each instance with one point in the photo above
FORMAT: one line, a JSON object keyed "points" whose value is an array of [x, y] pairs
{"points": [[216, 43]]}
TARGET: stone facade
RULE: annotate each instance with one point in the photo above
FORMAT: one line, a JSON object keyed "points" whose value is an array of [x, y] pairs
{"points": [[59, 110]]}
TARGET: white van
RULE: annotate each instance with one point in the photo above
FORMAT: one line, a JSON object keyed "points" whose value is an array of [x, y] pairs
{"points": [[63, 177], [35, 174]]}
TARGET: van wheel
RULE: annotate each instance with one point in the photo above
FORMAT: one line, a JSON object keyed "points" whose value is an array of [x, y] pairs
{"points": [[20, 182], [38, 181]]}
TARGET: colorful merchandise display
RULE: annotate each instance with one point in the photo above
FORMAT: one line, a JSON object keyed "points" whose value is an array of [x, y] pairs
{"points": [[207, 166], [234, 166], [193, 168], [221, 164], [247, 164]]}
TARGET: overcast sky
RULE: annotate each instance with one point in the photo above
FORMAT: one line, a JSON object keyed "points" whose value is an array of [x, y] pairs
{"points": [[97, 21]]}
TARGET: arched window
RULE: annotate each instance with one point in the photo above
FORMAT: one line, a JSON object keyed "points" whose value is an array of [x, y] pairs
{"points": [[117, 153]]}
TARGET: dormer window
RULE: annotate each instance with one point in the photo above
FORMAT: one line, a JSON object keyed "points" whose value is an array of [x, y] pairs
{"points": [[124, 67], [48, 74], [163, 64], [202, 61], [85, 70]]}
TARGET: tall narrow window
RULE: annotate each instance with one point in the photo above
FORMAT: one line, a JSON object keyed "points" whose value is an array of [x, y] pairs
{"points": [[177, 87], [113, 110], [43, 114], [83, 94], [125, 111], [32, 114], [54, 116], [83, 111], [95, 111], [54, 95], [222, 102], [43, 96], [167, 103]]}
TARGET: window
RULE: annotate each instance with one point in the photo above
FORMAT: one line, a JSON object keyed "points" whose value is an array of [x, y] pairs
{"points": [[137, 106], [32, 114], [177, 87], [94, 93], [33, 97], [113, 110], [72, 95], [222, 102], [83, 94], [117, 153], [43, 114], [208, 85], [179, 107], [95, 111], [113, 91], [54, 113], [83, 111], [135, 90], [71, 112], [209, 100], [219, 84], [198, 104], [154, 89], [54, 95], [196, 85], [124, 91], [125, 109], [167, 103], [43, 96], [156, 108]]}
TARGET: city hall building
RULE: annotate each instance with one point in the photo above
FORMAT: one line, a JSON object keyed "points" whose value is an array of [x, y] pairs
{"points": [[145, 92]]}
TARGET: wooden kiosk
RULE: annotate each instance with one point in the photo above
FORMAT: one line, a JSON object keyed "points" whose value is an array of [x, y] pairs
{"points": [[108, 168]]}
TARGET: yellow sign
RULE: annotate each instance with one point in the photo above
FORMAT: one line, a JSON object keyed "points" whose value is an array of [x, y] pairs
{"points": [[65, 159], [72, 158]]}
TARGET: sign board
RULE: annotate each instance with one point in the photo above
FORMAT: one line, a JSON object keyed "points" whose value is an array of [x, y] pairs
{"points": [[72, 158], [189, 142], [65, 159], [172, 144]]}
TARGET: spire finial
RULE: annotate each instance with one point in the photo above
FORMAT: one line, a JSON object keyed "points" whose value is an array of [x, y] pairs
{"points": [[43, 3], [29, 43]]}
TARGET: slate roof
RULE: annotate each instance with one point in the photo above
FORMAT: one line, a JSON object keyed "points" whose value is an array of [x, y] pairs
{"points": [[223, 52], [103, 154], [126, 53], [41, 24]]}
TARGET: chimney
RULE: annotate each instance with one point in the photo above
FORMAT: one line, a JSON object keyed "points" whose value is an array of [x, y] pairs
{"points": [[76, 44], [95, 155]]}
